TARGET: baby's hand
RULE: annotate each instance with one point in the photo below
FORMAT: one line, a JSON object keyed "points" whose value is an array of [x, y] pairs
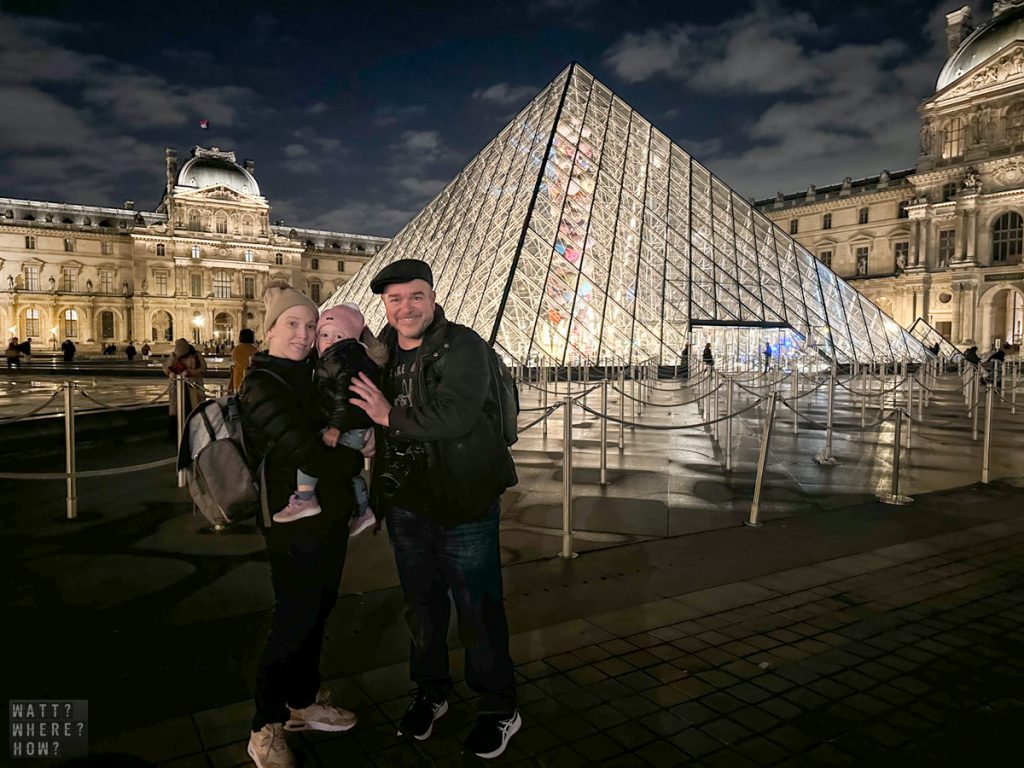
{"points": [[331, 437]]}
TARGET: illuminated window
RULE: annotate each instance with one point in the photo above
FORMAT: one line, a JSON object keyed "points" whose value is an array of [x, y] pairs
{"points": [[249, 256], [1007, 237], [196, 252], [222, 224], [31, 278], [222, 285], [953, 138], [31, 322], [947, 243], [862, 260], [69, 282], [106, 281], [71, 323], [69, 244], [900, 254]]}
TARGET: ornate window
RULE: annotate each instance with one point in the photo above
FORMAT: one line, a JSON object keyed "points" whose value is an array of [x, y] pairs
{"points": [[106, 324], [69, 283], [31, 322], [862, 215], [222, 224], [947, 245], [279, 259], [249, 287], [196, 252], [222, 285], [30, 242], [1008, 238], [71, 323], [826, 221], [161, 283], [825, 257], [862, 260], [249, 256], [794, 226], [900, 254], [161, 249], [106, 281], [31, 277], [953, 139], [1015, 124], [193, 220]]}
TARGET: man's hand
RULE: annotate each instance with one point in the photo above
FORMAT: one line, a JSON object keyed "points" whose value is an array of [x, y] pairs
{"points": [[369, 449], [331, 436], [370, 399]]}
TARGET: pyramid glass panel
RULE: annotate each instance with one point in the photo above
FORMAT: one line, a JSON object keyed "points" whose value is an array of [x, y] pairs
{"points": [[581, 233]]}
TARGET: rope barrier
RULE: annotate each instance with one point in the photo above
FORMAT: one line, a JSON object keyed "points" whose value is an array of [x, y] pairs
{"points": [[155, 400], [547, 412], [34, 411], [667, 405], [667, 427], [87, 473]]}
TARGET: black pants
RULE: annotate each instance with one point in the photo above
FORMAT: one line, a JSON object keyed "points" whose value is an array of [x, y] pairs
{"points": [[464, 560], [306, 560]]}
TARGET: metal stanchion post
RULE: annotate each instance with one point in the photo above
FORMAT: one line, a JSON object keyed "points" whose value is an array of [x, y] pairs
{"points": [[1013, 392], [794, 390], [762, 460], [975, 395], [894, 496], [567, 552], [622, 408], [179, 402], [632, 397], [986, 451], [863, 397], [728, 426], [831, 407], [604, 432], [910, 407], [714, 404], [71, 499], [544, 399]]}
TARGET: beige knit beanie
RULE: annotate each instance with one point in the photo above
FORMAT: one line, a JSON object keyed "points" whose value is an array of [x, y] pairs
{"points": [[280, 296]]}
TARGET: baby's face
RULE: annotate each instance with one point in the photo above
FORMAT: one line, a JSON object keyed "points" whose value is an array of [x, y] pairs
{"points": [[325, 337]]}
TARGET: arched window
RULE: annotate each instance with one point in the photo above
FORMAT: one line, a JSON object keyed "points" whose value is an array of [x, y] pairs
{"points": [[221, 224], [1007, 238], [71, 323], [953, 139], [279, 259], [31, 323]]}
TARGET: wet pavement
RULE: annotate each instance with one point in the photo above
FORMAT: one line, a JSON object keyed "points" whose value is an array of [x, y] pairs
{"points": [[843, 631]]}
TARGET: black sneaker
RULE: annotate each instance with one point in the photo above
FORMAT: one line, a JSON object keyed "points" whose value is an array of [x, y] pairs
{"points": [[491, 734], [418, 720]]}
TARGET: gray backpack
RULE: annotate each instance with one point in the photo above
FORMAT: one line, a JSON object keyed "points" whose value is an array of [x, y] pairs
{"points": [[224, 486]]}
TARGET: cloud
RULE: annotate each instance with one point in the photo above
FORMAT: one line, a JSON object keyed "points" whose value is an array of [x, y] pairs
{"points": [[389, 115], [850, 109], [317, 108], [365, 217], [295, 150], [505, 95], [425, 188]]}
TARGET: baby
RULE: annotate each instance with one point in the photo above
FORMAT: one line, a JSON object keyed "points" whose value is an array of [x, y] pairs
{"points": [[346, 348]]}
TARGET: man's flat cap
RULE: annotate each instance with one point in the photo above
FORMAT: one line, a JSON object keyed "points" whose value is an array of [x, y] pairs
{"points": [[402, 271]]}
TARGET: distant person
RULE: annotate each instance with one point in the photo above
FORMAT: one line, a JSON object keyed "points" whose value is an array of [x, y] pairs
{"points": [[13, 354], [26, 349], [936, 347], [69, 349], [971, 356], [130, 351], [684, 361], [186, 360], [146, 351], [708, 356], [995, 364], [241, 357], [767, 355]]}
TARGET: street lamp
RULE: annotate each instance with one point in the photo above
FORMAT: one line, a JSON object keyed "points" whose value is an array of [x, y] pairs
{"points": [[53, 337]]}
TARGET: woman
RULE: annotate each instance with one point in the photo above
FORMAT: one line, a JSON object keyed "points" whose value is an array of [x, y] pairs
{"points": [[186, 360], [281, 422], [707, 356]]}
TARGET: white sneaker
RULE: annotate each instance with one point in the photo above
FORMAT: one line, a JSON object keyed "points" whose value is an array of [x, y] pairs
{"points": [[359, 524], [321, 715], [268, 749]]}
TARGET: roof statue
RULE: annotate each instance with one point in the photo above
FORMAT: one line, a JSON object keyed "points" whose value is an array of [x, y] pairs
{"points": [[582, 232]]}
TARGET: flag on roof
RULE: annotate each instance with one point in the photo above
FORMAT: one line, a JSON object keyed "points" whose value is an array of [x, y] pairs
{"points": [[204, 124]]}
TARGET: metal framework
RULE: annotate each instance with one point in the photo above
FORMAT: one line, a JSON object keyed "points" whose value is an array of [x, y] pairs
{"points": [[581, 233], [924, 332]]}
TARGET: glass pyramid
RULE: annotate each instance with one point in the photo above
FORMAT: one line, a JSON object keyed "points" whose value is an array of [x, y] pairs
{"points": [[582, 233], [924, 332]]}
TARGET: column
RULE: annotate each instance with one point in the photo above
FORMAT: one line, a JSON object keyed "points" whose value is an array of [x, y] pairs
{"points": [[972, 235], [917, 242], [924, 242], [954, 331]]}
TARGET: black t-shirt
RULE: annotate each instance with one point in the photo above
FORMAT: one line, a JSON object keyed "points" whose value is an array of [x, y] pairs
{"points": [[415, 493]]}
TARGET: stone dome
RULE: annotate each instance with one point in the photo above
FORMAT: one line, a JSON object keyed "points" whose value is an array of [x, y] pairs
{"points": [[203, 171], [982, 43]]}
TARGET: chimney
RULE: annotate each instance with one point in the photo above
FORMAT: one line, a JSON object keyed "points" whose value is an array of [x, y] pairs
{"points": [[171, 159], [958, 26], [249, 165], [129, 205]]}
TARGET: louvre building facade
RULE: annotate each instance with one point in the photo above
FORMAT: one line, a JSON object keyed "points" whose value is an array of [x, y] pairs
{"points": [[942, 241], [195, 267]]}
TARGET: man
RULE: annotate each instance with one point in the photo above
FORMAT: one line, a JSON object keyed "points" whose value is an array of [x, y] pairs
{"points": [[69, 349], [438, 476]]}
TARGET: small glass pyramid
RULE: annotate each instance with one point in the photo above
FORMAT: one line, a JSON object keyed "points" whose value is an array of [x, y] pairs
{"points": [[581, 233]]}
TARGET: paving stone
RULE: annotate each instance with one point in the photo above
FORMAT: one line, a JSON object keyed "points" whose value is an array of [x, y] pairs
{"points": [[664, 723], [597, 747], [695, 742], [632, 734], [660, 754]]}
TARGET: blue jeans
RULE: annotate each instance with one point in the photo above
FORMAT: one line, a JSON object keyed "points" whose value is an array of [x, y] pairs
{"points": [[465, 560]]}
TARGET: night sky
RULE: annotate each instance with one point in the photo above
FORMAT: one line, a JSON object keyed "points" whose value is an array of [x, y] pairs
{"points": [[356, 114]]}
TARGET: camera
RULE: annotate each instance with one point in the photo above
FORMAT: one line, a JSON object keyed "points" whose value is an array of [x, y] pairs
{"points": [[399, 462]]}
